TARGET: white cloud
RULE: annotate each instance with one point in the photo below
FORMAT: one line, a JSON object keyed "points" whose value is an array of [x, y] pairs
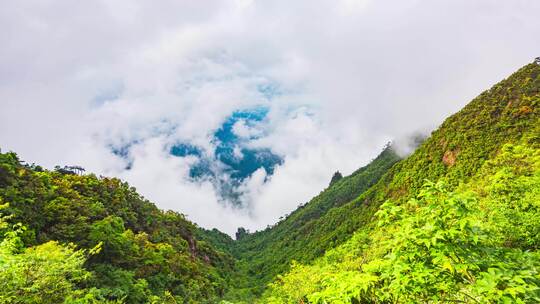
{"points": [[76, 77], [243, 130]]}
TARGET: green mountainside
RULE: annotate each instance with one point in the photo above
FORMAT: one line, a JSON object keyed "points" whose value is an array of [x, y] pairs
{"points": [[126, 248], [303, 235], [507, 113], [486, 161], [455, 222]]}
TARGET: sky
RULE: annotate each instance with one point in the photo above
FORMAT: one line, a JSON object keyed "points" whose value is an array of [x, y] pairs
{"points": [[336, 79]]}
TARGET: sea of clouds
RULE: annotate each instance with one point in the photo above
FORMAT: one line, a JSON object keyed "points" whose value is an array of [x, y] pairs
{"points": [[78, 78]]}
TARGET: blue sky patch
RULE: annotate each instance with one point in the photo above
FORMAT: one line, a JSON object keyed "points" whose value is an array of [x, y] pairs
{"points": [[231, 161], [232, 155]]}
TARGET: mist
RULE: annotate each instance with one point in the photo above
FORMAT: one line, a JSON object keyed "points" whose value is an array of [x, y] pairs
{"points": [[339, 79]]}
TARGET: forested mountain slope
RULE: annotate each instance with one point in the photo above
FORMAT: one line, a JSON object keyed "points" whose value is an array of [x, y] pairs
{"points": [[478, 243], [264, 254], [139, 253], [504, 114], [464, 239]]}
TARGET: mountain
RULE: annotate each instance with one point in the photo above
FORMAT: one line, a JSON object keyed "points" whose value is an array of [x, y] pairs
{"points": [[489, 150], [127, 248], [454, 222], [505, 114], [303, 235]]}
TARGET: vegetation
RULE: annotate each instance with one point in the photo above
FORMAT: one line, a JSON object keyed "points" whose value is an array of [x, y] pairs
{"points": [[506, 113], [303, 234], [337, 176], [475, 245], [455, 222], [144, 254]]}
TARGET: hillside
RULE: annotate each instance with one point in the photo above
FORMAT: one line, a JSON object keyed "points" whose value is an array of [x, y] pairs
{"points": [[506, 113], [497, 133], [454, 222], [264, 254], [127, 248], [477, 243]]}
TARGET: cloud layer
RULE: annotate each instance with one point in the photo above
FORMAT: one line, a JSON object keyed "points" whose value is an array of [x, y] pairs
{"points": [[340, 78]]}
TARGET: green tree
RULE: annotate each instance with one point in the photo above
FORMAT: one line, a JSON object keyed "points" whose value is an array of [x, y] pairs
{"points": [[337, 176], [47, 273]]}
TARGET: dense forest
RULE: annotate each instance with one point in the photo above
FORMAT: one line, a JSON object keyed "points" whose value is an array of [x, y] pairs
{"points": [[454, 222], [87, 239]]}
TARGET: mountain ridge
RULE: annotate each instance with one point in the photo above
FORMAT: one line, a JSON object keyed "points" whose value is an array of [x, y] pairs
{"points": [[455, 151]]}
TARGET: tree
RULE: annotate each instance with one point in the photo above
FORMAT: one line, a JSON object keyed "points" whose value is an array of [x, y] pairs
{"points": [[337, 176], [241, 232], [48, 273]]}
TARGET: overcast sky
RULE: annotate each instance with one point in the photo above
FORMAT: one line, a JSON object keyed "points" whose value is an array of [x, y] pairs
{"points": [[77, 77]]}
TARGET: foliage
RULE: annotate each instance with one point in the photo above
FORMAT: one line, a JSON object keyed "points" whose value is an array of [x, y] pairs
{"points": [[47, 273], [146, 254], [264, 254], [337, 176], [509, 186], [432, 249], [456, 152]]}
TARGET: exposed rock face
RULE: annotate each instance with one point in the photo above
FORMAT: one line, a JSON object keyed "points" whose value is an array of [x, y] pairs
{"points": [[449, 158]]}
